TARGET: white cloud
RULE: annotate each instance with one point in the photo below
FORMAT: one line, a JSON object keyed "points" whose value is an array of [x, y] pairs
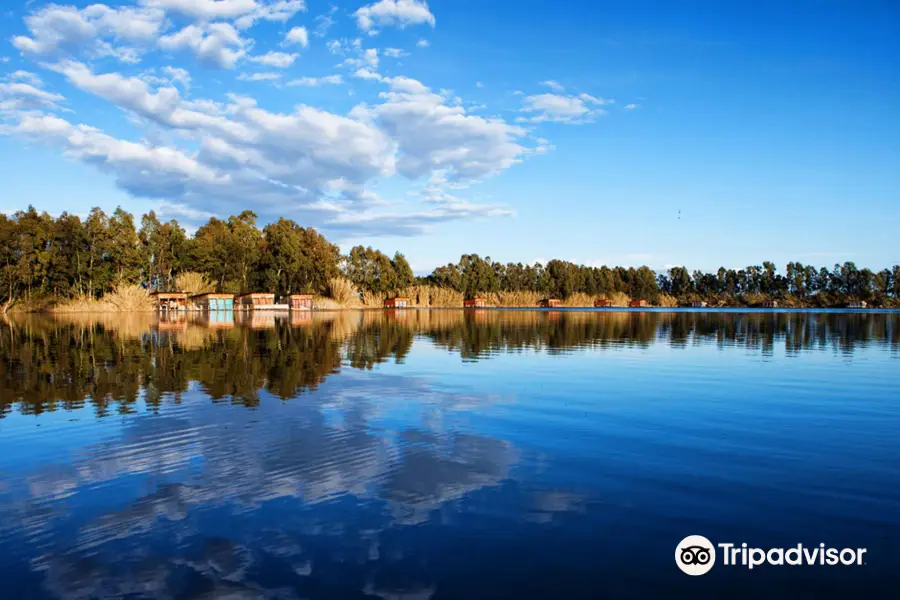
{"points": [[17, 96], [297, 35], [561, 109], [278, 60], [317, 81], [434, 136], [423, 43], [553, 85], [282, 160], [25, 76], [58, 30], [365, 58], [178, 74], [478, 84], [279, 10], [206, 9], [205, 156], [129, 159], [370, 57], [366, 73], [400, 13], [217, 44], [22, 92], [631, 106], [324, 22], [164, 106], [259, 76]]}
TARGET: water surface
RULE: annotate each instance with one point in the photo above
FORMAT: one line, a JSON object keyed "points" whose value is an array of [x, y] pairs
{"points": [[445, 454]]}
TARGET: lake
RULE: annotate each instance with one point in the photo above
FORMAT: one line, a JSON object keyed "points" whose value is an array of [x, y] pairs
{"points": [[427, 455]]}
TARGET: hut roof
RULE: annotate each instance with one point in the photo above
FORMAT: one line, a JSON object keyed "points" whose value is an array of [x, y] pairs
{"points": [[212, 295]]}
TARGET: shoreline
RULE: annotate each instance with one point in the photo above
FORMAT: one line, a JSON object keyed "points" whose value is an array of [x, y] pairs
{"points": [[654, 309]]}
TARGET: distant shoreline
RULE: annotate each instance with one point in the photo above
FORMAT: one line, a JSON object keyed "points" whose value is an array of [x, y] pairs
{"points": [[582, 309]]}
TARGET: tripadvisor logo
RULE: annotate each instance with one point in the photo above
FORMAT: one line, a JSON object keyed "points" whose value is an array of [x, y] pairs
{"points": [[696, 555]]}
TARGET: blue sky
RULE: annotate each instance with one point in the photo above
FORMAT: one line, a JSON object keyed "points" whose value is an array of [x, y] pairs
{"points": [[648, 132]]}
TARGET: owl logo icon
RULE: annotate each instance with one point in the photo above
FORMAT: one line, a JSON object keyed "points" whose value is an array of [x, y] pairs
{"points": [[695, 555]]}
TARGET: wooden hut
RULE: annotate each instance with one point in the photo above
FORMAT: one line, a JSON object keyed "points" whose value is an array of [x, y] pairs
{"points": [[258, 301], [169, 301], [638, 304], [857, 304], [602, 303], [213, 301], [474, 303], [398, 302], [299, 301], [770, 304], [550, 303], [698, 304]]}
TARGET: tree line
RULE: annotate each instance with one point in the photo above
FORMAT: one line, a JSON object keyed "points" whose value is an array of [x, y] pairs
{"points": [[67, 256]]}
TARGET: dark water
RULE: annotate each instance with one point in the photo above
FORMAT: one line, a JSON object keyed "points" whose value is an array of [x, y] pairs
{"points": [[433, 455]]}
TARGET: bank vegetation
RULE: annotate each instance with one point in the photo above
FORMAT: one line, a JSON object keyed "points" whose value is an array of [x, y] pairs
{"points": [[109, 262]]}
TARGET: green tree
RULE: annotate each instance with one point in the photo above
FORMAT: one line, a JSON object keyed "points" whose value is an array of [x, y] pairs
{"points": [[124, 248], [403, 273]]}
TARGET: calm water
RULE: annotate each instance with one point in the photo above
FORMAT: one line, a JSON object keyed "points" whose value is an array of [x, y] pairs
{"points": [[435, 454]]}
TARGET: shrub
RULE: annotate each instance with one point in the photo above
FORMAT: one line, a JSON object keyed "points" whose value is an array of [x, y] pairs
{"points": [[666, 301], [342, 291], [193, 283]]}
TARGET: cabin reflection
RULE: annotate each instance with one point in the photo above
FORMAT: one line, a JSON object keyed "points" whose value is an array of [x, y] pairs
{"points": [[172, 321], [301, 318], [218, 319], [395, 314]]}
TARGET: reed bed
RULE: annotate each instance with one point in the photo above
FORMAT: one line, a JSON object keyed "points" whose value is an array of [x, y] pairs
{"points": [[194, 283], [579, 300], [125, 298], [343, 292], [666, 301]]}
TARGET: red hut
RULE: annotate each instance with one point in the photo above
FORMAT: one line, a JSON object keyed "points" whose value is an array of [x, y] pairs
{"points": [[602, 303], [299, 301], [169, 301], [258, 302], [638, 304], [398, 302], [474, 303]]}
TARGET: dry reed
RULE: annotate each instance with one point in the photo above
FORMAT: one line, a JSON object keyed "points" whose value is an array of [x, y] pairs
{"points": [[666, 301], [579, 300], [194, 283], [125, 298], [342, 291]]}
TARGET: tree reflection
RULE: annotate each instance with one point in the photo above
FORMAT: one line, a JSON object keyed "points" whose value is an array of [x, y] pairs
{"points": [[113, 361]]}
